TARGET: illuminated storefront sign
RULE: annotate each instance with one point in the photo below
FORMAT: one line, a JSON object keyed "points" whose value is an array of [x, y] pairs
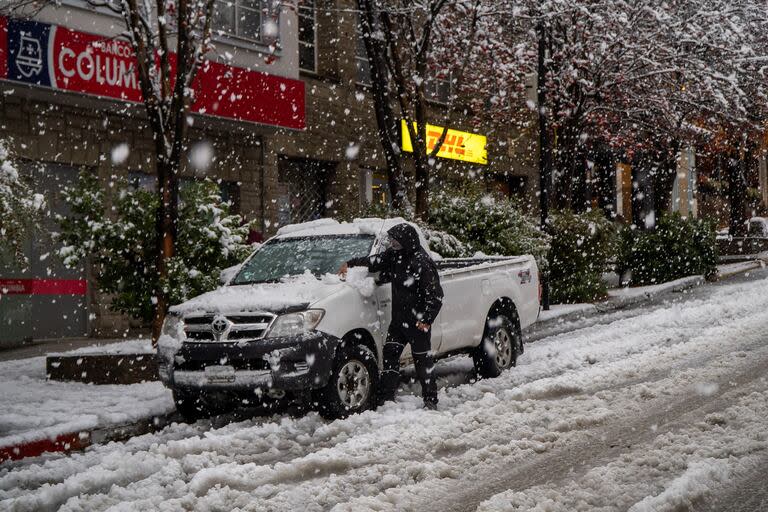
{"points": [[60, 58], [464, 146]]}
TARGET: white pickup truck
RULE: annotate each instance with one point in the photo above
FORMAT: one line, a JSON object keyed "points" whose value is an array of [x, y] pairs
{"points": [[286, 324]]}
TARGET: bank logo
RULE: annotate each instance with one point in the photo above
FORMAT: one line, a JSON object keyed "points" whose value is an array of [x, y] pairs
{"points": [[29, 60]]}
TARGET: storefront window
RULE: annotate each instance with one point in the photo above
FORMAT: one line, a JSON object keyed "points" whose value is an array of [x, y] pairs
{"points": [[380, 187], [438, 90], [307, 36]]}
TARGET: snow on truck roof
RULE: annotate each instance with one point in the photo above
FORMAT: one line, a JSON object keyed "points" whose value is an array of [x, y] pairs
{"points": [[319, 227]]}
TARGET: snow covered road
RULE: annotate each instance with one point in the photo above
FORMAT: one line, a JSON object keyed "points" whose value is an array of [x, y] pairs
{"points": [[661, 409]]}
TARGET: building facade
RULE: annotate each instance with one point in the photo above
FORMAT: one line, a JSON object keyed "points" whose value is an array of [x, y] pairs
{"points": [[283, 106]]}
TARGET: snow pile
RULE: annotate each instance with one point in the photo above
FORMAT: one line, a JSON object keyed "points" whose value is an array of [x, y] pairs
{"points": [[360, 279], [137, 346], [291, 291], [35, 408]]}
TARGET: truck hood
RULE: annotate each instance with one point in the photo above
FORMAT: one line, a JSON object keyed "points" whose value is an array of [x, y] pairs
{"points": [[291, 294]]}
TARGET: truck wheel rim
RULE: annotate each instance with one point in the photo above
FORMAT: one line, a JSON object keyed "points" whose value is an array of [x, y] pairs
{"points": [[503, 344], [353, 384]]}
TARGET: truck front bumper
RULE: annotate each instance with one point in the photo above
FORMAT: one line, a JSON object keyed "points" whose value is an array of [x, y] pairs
{"points": [[287, 364]]}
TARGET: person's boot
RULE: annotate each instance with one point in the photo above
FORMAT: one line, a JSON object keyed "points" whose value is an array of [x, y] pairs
{"points": [[429, 405]]}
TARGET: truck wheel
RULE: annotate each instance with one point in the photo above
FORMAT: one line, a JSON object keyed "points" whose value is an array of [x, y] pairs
{"points": [[352, 385], [190, 407], [501, 344]]}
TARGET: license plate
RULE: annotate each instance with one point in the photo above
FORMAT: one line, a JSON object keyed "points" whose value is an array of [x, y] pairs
{"points": [[219, 374]]}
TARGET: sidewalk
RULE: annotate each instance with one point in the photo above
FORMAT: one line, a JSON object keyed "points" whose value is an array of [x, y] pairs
{"points": [[49, 416], [560, 315], [41, 415]]}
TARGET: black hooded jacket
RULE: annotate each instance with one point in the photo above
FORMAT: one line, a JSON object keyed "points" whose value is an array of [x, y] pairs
{"points": [[416, 291]]}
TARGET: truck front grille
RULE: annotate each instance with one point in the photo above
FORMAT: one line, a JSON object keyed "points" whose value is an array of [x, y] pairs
{"points": [[221, 328]]}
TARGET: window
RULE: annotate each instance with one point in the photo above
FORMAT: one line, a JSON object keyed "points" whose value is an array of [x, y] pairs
{"points": [[246, 19], [438, 90], [363, 67], [380, 190], [307, 36], [141, 181]]}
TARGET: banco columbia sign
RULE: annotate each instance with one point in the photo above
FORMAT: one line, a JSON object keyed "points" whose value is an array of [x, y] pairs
{"points": [[57, 57]]}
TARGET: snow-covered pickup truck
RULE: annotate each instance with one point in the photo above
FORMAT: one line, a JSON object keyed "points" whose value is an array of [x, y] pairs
{"points": [[287, 324]]}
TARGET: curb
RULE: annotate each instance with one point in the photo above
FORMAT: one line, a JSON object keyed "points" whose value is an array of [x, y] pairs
{"points": [[78, 441], [558, 325], [754, 265]]}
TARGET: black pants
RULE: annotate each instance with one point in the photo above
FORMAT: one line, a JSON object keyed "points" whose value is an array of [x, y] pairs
{"points": [[421, 348]]}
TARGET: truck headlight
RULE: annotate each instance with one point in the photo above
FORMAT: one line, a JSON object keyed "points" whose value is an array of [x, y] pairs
{"points": [[293, 324]]}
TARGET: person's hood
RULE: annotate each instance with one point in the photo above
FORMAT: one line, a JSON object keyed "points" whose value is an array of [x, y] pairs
{"points": [[406, 235], [292, 294]]}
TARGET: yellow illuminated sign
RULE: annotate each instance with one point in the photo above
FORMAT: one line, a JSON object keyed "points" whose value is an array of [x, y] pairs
{"points": [[464, 146]]}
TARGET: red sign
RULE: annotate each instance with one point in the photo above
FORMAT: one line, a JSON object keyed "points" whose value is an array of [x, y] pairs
{"points": [[61, 58], [43, 286]]}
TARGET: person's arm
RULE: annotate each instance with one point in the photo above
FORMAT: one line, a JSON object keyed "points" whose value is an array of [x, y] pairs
{"points": [[430, 295], [376, 263]]}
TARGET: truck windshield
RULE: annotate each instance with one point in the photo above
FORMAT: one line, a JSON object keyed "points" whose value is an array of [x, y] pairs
{"points": [[293, 256]]}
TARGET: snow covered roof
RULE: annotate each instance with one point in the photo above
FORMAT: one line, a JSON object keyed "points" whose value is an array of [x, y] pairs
{"points": [[367, 226]]}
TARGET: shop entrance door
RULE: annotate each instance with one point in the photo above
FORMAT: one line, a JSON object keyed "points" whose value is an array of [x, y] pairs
{"points": [[46, 300], [302, 189]]}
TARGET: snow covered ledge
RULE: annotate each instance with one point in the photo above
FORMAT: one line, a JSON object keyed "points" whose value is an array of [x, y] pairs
{"points": [[123, 363]]}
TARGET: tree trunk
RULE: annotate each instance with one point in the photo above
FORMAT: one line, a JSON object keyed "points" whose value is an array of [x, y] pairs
{"points": [[643, 210], [166, 221], [388, 125], [569, 183], [737, 193], [664, 179]]}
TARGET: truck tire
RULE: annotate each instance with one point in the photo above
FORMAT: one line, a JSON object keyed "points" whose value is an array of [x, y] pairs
{"points": [[191, 407], [352, 385], [501, 344]]}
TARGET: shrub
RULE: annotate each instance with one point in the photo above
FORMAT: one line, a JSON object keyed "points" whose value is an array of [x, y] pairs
{"points": [[122, 246], [490, 225], [677, 248], [581, 250], [20, 210], [445, 244]]}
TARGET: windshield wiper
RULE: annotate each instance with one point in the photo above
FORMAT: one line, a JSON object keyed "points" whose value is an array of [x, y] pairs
{"points": [[256, 282]]}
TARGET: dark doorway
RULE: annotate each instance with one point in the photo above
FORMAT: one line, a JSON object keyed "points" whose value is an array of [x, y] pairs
{"points": [[302, 189]]}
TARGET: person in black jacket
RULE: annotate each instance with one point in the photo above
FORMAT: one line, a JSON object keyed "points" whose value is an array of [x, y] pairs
{"points": [[416, 300]]}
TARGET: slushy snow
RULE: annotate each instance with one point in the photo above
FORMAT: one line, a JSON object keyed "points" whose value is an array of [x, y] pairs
{"points": [[607, 418]]}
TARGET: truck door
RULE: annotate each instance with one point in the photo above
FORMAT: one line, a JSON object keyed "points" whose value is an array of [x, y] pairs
{"points": [[461, 313]]}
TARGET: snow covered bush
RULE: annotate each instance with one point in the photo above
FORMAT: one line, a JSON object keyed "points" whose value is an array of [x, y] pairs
{"points": [[445, 244], [19, 208], [122, 244], [678, 247], [581, 249], [493, 226]]}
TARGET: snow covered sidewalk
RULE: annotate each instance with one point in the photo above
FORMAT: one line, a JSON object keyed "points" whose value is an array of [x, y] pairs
{"points": [[42, 415], [624, 296]]}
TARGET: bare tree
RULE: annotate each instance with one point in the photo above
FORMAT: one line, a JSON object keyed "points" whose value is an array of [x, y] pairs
{"points": [[404, 43], [155, 32]]}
